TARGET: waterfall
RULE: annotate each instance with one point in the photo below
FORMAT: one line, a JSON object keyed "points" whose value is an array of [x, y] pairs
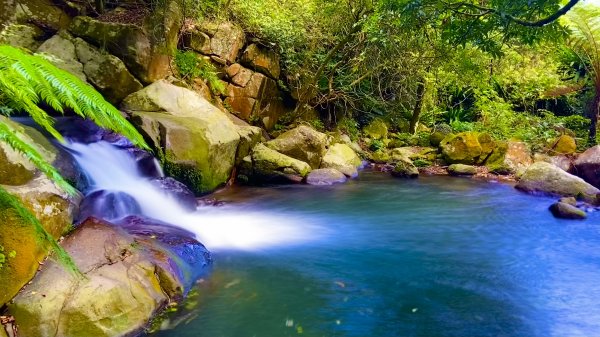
{"points": [[113, 170]]}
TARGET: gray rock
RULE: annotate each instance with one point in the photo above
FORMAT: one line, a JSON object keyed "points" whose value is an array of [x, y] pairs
{"points": [[462, 170], [565, 211], [326, 176]]}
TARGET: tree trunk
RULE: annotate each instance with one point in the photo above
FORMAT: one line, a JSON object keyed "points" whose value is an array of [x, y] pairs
{"points": [[593, 115], [418, 107]]}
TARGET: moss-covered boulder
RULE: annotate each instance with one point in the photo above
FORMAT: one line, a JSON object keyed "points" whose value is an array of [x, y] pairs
{"points": [[542, 177], [509, 157], [270, 165], [325, 176], [567, 211], [564, 144], [198, 141], [22, 245], [131, 272], [342, 158], [43, 12], [303, 143], [405, 169], [462, 170], [439, 133], [467, 148], [23, 36], [377, 129], [106, 72]]}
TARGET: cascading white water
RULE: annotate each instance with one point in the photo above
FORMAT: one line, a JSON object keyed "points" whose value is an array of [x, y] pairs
{"points": [[112, 169]]}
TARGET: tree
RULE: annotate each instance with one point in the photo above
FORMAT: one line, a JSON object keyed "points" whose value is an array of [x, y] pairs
{"points": [[584, 22], [27, 80]]}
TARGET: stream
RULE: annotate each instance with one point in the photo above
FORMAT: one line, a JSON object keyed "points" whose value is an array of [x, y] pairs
{"points": [[378, 256]]}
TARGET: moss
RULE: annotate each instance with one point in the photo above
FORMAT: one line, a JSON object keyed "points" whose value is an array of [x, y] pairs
{"points": [[187, 174]]}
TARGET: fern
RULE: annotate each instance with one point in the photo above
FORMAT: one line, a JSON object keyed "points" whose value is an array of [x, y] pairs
{"points": [[26, 80]]}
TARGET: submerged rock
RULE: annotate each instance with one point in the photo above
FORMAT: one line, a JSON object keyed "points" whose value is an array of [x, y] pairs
{"points": [[566, 211], [177, 191], [303, 143], [325, 176], [462, 170], [128, 278], [543, 177], [108, 205]]}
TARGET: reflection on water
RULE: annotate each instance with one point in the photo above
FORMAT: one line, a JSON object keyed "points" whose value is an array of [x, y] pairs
{"points": [[433, 257]]}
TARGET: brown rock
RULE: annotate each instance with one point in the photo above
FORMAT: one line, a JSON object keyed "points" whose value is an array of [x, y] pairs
{"points": [[227, 41], [264, 60], [587, 166]]}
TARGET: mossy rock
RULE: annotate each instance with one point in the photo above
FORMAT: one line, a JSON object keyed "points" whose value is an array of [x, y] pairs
{"points": [[566, 211], [377, 129], [302, 143], [269, 164], [564, 144], [380, 157], [462, 170], [342, 158], [405, 169], [467, 148]]}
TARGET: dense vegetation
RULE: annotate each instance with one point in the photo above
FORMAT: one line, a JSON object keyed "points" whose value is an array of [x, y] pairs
{"points": [[515, 69]]}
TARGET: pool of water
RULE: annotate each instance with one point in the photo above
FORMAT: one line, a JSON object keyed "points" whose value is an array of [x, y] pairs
{"points": [[436, 256]]}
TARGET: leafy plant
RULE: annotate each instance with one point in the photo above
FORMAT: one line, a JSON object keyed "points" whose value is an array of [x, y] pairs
{"points": [[191, 66], [27, 80]]}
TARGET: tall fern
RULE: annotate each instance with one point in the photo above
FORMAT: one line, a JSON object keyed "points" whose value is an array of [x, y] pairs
{"points": [[27, 80]]}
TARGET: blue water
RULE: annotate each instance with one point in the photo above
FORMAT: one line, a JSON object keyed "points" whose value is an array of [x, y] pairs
{"points": [[436, 256]]}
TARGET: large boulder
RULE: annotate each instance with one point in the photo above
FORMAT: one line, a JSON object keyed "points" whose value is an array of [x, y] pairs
{"points": [[63, 53], [303, 143], [587, 166], [249, 137], [22, 36], [542, 177], [342, 158], [509, 157], [106, 72], [198, 141], [564, 144], [326, 176], [44, 13], [130, 272], [227, 41], [146, 50], [467, 148], [263, 60], [270, 165], [53, 207]]}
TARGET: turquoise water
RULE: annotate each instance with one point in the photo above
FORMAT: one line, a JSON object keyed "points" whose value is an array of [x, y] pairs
{"points": [[435, 256]]}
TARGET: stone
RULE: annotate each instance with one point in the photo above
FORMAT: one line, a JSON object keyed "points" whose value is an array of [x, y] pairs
{"points": [[132, 271], [439, 133], [227, 41], [107, 205], [562, 161], [568, 200], [262, 60], [342, 158], [22, 36], [509, 157], [382, 156], [243, 107], [303, 143], [462, 170], [177, 191], [145, 51], [325, 176], [587, 166], [198, 140], [242, 77], [377, 129], [270, 165], [542, 177], [403, 153], [564, 144], [198, 41], [44, 12], [405, 169], [106, 72], [467, 148], [249, 137], [566, 211], [63, 53]]}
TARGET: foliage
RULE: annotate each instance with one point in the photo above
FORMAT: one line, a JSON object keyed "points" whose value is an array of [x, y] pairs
{"points": [[4, 257], [190, 66], [376, 145]]}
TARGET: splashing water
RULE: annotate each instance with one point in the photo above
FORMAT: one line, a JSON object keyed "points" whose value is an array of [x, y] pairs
{"points": [[112, 169]]}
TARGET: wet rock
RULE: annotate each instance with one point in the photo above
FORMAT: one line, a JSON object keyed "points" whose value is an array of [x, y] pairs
{"points": [[587, 166], [342, 158], [177, 191], [107, 205], [566, 211], [326, 176], [131, 272], [568, 200], [405, 169], [542, 177], [303, 143], [462, 170]]}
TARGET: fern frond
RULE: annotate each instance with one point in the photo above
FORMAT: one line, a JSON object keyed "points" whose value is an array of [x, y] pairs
{"points": [[9, 136], [8, 200], [27, 79]]}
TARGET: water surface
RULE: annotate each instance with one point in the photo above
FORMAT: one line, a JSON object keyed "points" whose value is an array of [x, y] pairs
{"points": [[435, 256]]}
